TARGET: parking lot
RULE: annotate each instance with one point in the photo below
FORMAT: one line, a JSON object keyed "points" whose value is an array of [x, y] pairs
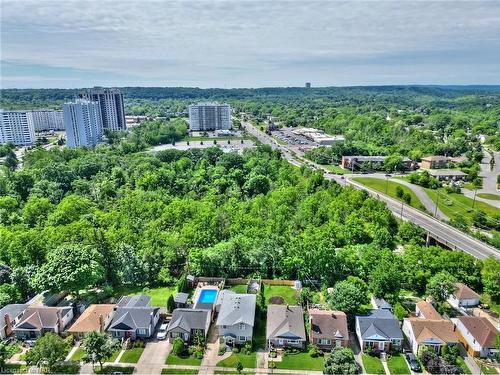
{"points": [[290, 138]]}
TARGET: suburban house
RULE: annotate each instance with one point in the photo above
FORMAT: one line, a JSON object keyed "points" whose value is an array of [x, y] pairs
{"points": [[379, 329], [236, 318], [187, 323], [285, 326], [134, 318], [434, 162], [221, 296], [328, 329], [9, 317], [477, 334], [95, 318], [463, 296], [38, 320], [181, 300], [380, 303], [428, 329]]}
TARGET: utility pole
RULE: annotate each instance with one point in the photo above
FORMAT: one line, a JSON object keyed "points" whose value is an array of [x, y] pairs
{"points": [[474, 200], [402, 204], [387, 182], [437, 202]]}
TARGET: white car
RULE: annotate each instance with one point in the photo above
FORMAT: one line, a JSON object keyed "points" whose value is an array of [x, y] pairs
{"points": [[162, 332]]}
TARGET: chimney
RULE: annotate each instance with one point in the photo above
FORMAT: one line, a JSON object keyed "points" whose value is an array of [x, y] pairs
{"points": [[8, 325], [101, 323]]}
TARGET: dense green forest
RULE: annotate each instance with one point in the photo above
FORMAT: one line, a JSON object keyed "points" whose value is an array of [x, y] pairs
{"points": [[112, 217]]}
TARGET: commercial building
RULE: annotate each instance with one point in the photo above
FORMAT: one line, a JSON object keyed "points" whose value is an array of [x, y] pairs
{"points": [[16, 127], [47, 119], [369, 162], [209, 116], [318, 136], [110, 102], [83, 123]]}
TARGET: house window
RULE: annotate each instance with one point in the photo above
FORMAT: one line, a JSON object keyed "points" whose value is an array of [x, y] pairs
{"points": [[280, 341], [242, 326], [338, 343], [293, 341], [141, 331], [324, 341], [224, 327], [396, 341], [242, 338]]}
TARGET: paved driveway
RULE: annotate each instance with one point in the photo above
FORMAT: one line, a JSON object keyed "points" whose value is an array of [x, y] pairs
{"points": [[153, 358]]}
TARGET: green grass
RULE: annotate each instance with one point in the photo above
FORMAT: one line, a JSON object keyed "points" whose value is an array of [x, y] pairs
{"points": [[78, 354], [372, 365], [397, 365], [463, 365], [493, 197], [301, 361], [112, 369], [240, 289], [454, 205], [158, 296], [114, 356], [334, 168], [380, 185], [287, 292], [187, 361], [248, 361], [179, 371], [131, 355], [486, 369]]}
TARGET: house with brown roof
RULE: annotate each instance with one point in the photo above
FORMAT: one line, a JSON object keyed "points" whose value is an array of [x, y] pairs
{"points": [[328, 329], [95, 318], [434, 161], [36, 321], [477, 334], [285, 326], [428, 329], [9, 317], [463, 296]]}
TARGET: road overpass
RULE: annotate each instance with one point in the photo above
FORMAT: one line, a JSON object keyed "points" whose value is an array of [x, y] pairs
{"points": [[438, 230]]}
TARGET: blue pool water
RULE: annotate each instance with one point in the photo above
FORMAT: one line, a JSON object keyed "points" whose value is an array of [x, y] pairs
{"points": [[207, 296]]}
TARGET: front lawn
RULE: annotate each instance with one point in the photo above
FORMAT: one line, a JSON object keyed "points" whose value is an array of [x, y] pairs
{"points": [[114, 369], [131, 355], [300, 361], [397, 365], [286, 292], [158, 296], [372, 365], [186, 361], [114, 356], [463, 365], [248, 361], [78, 354], [179, 371]]}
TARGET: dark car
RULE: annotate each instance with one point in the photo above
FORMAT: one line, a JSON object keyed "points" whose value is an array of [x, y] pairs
{"points": [[412, 360]]}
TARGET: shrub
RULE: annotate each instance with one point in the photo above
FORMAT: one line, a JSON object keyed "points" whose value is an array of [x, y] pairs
{"points": [[178, 346], [222, 349], [399, 192], [236, 349], [191, 350], [138, 344], [199, 355], [70, 340], [314, 351]]}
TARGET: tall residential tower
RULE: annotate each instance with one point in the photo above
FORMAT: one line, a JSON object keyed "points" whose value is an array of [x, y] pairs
{"points": [[47, 119], [83, 123], [16, 127], [209, 116], [111, 106]]}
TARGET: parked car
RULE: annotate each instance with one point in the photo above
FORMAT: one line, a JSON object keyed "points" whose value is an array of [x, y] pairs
{"points": [[414, 364], [29, 343], [162, 332]]}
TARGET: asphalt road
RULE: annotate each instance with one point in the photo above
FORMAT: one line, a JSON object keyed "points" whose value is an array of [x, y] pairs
{"points": [[442, 232]]}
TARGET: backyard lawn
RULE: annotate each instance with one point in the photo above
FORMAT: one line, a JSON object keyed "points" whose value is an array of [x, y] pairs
{"points": [[248, 361], [372, 365], [286, 292], [301, 361], [158, 296], [131, 355], [186, 361], [379, 184], [397, 365], [240, 289]]}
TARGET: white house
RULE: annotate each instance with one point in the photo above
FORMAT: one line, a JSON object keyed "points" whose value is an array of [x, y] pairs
{"points": [[236, 318], [477, 335], [463, 296]]}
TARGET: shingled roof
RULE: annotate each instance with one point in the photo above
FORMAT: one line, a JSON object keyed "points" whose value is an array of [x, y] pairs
{"points": [[327, 324], [285, 321], [237, 308], [462, 291], [89, 321], [431, 331], [379, 324], [132, 318], [188, 319], [481, 329], [38, 318]]}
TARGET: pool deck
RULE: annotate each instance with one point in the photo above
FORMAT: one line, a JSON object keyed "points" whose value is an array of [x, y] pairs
{"points": [[208, 306]]}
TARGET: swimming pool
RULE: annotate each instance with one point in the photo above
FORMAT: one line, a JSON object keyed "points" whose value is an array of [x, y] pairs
{"points": [[207, 296]]}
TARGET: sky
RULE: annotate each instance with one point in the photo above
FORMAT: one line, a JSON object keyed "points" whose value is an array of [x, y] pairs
{"points": [[239, 43]]}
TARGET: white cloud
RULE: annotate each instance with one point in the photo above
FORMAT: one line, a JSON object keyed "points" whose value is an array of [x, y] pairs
{"points": [[215, 40]]}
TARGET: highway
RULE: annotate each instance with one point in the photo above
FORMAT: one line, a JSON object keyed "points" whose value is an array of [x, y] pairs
{"points": [[440, 231]]}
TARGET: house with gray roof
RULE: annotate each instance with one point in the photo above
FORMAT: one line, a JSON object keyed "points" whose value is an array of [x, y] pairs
{"points": [[380, 330], [36, 321], [285, 326], [9, 317], [134, 318], [187, 323], [236, 318], [181, 300]]}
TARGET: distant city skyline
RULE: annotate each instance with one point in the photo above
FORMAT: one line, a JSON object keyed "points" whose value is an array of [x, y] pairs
{"points": [[226, 44]]}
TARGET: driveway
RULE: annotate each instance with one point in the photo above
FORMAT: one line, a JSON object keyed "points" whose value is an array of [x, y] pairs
{"points": [[153, 358], [489, 175], [211, 356]]}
